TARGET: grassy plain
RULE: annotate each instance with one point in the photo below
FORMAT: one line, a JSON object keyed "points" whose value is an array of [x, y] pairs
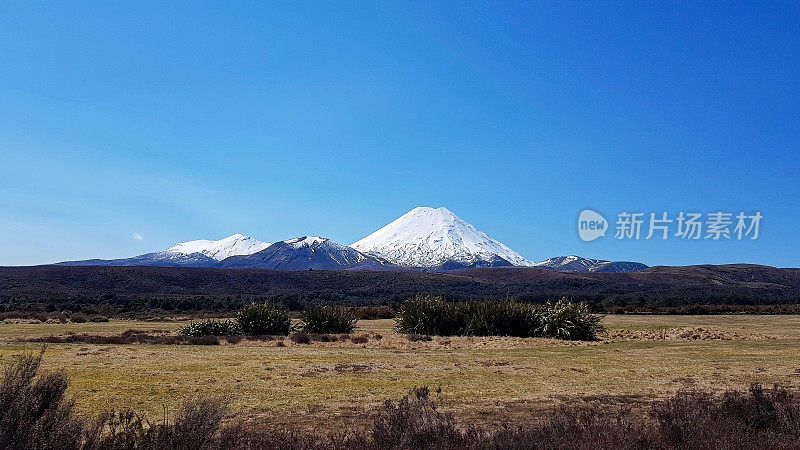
{"points": [[483, 379]]}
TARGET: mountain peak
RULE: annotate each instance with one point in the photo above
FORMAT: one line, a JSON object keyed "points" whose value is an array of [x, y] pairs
{"points": [[434, 238], [573, 263], [305, 241], [234, 245], [306, 252], [441, 210]]}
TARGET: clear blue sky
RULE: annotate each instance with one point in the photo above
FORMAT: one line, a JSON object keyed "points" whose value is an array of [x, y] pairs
{"points": [[190, 120]]}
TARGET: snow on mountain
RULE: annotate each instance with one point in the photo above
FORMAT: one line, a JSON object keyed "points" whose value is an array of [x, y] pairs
{"points": [[157, 259], [307, 252], [424, 238], [569, 263], [307, 241], [436, 238], [574, 263], [235, 245], [201, 253]]}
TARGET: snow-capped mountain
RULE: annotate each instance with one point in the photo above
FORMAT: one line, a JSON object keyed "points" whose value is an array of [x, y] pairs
{"points": [[201, 253], [158, 259], [423, 238], [303, 253], [237, 244], [574, 263], [435, 238]]}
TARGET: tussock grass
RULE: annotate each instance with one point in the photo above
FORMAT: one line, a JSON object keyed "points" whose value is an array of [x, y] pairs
{"points": [[257, 319], [211, 327], [264, 319], [430, 315], [323, 319]]}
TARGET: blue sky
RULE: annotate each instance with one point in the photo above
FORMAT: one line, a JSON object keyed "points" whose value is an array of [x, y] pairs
{"points": [[188, 120]]}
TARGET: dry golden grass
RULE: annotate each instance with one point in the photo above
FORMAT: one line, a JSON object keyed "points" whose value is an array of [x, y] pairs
{"points": [[304, 383]]}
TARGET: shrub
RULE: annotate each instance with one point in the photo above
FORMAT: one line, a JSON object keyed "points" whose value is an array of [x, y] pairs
{"points": [[416, 422], [78, 318], [327, 319], [33, 410], [434, 316], [129, 337], [300, 338], [567, 320], [325, 337], [418, 337], [500, 318], [264, 318], [363, 339], [234, 339], [430, 315], [374, 312], [15, 315], [197, 425], [758, 418], [264, 338], [210, 328], [61, 317], [698, 309]]}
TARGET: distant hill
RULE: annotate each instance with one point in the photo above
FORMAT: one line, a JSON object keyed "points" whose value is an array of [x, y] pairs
{"points": [[141, 287]]}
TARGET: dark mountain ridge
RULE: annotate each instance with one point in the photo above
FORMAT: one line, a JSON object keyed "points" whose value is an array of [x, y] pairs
{"points": [[656, 286]]}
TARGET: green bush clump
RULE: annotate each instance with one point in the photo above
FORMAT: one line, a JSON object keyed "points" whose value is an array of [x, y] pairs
{"points": [[425, 314], [500, 318], [325, 319], [210, 328], [434, 316], [264, 318], [571, 321], [300, 337]]}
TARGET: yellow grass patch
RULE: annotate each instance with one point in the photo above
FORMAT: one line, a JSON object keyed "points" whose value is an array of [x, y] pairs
{"points": [[304, 382]]}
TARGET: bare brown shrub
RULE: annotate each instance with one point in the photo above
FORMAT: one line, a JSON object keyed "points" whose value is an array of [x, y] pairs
{"points": [[363, 339], [130, 337], [418, 337], [300, 338], [33, 410], [374, 312]]}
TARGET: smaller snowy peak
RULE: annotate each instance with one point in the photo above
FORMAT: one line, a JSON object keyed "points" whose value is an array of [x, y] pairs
{"points": [[304, 253], [305, 241], [561, 261], [578, 264], [235, 245]]}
